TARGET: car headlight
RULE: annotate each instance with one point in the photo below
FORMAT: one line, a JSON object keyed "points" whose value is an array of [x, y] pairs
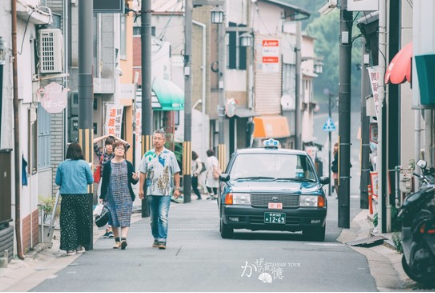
{"points": [[308, 201], [241, 198]]}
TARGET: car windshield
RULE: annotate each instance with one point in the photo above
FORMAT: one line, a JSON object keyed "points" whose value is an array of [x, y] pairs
{"points": [[273, 166]]}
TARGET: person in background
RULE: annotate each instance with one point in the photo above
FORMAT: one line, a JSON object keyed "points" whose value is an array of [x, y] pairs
{"points": [[334, 168], [160, 172], [211, 183], [73, 176], [196, 170], [117, 193], [104, 156]]}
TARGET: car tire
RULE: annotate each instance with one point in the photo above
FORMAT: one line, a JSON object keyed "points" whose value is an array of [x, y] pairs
{"points": [[315, 234], [226, 232]]}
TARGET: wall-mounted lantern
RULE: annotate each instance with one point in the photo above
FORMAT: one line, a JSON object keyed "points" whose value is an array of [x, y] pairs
{"points": [[217, 16], [318, 67], [246, 40]]}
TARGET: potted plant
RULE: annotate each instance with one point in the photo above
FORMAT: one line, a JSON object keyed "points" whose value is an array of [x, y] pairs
{"points": [[46, 206]]}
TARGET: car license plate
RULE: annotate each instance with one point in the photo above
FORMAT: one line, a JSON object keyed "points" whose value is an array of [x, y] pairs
{"points": [[275, 205], [274, 218]]}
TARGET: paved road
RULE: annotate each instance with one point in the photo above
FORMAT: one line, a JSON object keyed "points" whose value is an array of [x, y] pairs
{"points": [[198, 259]]}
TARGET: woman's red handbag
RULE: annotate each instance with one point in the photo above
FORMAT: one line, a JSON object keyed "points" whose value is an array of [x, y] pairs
{"points": [[97, 174]]}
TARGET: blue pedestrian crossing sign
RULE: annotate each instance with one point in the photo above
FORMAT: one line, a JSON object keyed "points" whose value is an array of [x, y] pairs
{"points": [[329, 125]]}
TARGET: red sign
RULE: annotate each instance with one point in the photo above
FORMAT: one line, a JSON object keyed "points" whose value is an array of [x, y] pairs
{"points": [[270, 43], [270, 59]]}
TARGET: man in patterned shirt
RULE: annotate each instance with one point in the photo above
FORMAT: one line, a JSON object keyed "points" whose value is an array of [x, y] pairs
{"points": [[160, 172]]}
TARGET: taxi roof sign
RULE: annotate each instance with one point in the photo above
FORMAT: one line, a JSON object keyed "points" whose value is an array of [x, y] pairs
{"points": [[271, 143]]}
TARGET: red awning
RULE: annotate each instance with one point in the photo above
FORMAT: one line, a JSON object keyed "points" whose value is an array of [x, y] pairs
{"points": [[399, 69]]}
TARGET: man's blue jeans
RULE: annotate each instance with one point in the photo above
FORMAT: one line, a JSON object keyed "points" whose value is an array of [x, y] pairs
{"points": [[159, 208]]}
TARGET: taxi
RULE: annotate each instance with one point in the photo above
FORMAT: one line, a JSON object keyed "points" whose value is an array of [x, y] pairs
{"points": [[270, 188]]}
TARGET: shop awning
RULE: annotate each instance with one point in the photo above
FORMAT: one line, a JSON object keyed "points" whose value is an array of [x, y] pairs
{"points": [[399, 69], [170, 96], [271, 127]]}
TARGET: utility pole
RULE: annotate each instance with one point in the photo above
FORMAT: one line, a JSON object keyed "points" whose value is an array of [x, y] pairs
{"points": [[344, 116], [187, 145], [147, 111], [86, 90], [298, 144], [365, 123], [382, 146], [221, 107]]}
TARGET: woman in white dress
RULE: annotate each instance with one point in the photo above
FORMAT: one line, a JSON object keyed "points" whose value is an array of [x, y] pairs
{"points": [[211, 183]]}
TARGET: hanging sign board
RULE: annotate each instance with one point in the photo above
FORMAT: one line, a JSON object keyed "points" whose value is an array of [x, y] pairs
{"points": [[114, 120], [374, 78], [53, 98], [108, 6]]}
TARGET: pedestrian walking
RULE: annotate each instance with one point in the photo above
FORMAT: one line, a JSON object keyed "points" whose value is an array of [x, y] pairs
{"points": [[334, 168], [160, 172], [103, 157], [197, 167], [73, 176], [211, 182], [117, 193]]}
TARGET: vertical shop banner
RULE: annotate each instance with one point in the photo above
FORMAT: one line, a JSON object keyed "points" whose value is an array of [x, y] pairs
{"points": [[374, 78], [138, 124], [270, 56], [114, 120]]}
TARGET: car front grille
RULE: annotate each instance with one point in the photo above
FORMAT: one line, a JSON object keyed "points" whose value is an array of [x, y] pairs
{"points": [[287, 200]]}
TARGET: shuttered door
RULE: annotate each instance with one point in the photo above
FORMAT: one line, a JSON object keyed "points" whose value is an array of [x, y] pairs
{"points": [[267, 85], [56, 6]]}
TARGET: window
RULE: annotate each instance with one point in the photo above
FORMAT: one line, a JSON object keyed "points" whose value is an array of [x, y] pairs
{"points": [[137, 31], [42, 140], [236, 53], [123, 36]]}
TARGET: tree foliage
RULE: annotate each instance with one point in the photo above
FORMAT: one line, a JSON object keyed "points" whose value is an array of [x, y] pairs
{"points": [[326, 31]]}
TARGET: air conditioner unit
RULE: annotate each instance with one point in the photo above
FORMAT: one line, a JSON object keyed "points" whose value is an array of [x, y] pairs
{"points": [[50, 51]]}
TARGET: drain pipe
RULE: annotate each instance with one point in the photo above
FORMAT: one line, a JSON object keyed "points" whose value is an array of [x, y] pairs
{"points": [[16, 132], [204, 51]]}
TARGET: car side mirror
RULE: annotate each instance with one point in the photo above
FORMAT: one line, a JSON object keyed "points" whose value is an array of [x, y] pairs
{"points": [[324, 180], [224, 177]]}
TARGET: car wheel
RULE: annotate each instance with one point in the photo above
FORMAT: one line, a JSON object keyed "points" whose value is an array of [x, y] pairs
{"points": [[315, 234], [226, 232]]}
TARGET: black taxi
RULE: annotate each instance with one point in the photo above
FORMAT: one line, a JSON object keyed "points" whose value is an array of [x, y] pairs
{"points": [[271, 188]]}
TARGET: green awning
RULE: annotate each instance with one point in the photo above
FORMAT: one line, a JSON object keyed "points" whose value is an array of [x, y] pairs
{"points": [[170, 96]]}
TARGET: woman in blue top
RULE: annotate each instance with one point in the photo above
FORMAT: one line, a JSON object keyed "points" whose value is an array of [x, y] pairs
{"points": [[73, 176]]}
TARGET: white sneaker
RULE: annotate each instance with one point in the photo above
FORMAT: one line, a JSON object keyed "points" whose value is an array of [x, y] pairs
{"points": [[80, 249]]}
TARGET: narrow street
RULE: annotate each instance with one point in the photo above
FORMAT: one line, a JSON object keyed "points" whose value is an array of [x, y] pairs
{"points": [[198, 259]]}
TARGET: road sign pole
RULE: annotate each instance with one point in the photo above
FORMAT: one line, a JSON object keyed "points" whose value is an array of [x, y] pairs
{"points": [[330, 144]]}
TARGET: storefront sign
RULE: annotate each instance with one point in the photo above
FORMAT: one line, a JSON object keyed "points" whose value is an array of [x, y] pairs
{"points": [[114, 120], [374, 78], [270, 58], [53, 98]]}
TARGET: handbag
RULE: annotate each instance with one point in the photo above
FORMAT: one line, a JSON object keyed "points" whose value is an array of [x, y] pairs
{"points": [[216, 172], [203, 169], [103, 218], [97, 174]]}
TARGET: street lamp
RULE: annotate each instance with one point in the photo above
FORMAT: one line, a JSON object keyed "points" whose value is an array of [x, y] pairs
{"points": [[246, 40], [217, 16], [318, 67]]}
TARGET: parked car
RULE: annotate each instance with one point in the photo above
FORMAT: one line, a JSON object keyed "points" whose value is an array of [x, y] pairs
{"points": [[270, 188]]}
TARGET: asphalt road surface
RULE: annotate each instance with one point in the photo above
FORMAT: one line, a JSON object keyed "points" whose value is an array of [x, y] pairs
{"points": [[198, 259]]}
